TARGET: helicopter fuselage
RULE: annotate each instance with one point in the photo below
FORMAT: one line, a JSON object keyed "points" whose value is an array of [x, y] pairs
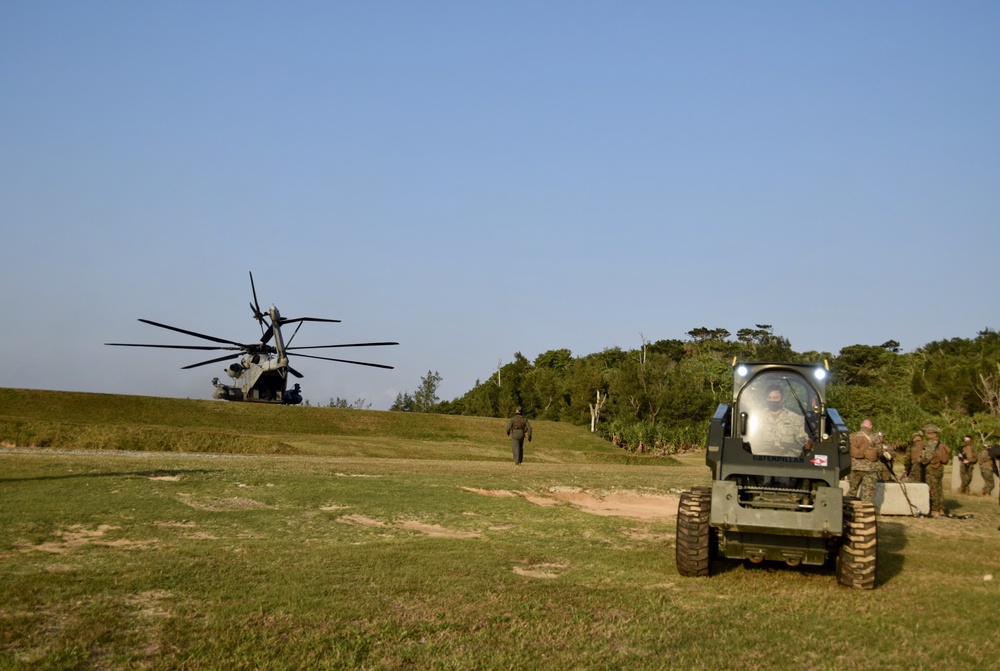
{"points": [[260, 378]]}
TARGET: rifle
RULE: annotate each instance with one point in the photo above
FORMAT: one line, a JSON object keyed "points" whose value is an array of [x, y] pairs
{"points": [[887, 462], [913, 509], [994, 452]]}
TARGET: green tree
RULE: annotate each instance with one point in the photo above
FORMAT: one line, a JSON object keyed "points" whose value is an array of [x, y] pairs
{"points": [[357, 404], [423, 399]]}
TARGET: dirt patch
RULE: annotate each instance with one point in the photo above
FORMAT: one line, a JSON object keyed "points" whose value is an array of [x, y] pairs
{"points": [[629, 504], [409, 525], [547, 571], [436, 530], [539, 500], [166, 478], [632, 505], [497, 493], [361, 520]]}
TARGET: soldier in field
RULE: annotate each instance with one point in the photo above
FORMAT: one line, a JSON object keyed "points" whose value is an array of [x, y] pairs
{"points": [[518, 428], [968, 458], [864, 462], [913, 469], [987, 466], [934, 456]]}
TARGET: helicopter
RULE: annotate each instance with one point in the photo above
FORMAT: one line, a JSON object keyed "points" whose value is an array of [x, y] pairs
{"points": [[261, 374]]}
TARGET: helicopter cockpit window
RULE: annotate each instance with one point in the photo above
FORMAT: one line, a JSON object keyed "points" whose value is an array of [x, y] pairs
{"points": [[778, 408]]}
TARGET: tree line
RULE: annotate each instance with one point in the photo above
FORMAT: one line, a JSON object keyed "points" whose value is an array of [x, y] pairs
{"points": [[660, 395]]}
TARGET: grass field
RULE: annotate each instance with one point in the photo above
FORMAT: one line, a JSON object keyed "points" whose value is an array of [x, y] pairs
{"points": [[357, 539]]}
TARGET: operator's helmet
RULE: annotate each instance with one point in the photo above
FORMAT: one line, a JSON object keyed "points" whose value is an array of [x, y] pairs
{"points": [[931, 428], [518, 411]]}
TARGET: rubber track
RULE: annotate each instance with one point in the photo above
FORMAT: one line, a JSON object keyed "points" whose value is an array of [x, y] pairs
{"points": [[858, 558], [694, 552]]}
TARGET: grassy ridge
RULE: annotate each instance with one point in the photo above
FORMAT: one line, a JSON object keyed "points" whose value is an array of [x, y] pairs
{"points": [[39, 418]]}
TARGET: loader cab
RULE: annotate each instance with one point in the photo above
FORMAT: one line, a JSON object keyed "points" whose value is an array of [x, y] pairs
{"points": [[779, 413]]}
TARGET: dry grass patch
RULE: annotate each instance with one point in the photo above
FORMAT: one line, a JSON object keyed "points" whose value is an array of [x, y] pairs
{"points": [[409, 525], [78, 536], [211, 504], [543, 570]]}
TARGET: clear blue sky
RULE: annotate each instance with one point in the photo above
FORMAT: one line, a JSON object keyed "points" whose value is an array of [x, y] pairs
{"points": [[477, 179]]}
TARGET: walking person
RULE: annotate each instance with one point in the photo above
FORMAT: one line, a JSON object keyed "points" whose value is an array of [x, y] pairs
{"points": [[518, 428]]}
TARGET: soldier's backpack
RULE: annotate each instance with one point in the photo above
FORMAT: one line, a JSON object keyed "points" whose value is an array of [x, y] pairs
{"points": [[930, 447], [519, 423]]}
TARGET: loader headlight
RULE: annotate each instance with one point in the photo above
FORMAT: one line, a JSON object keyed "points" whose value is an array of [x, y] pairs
{"points": [[820, 374], [742, 371]]}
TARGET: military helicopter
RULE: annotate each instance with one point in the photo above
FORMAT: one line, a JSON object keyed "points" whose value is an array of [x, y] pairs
{"points": [[261, 374]]}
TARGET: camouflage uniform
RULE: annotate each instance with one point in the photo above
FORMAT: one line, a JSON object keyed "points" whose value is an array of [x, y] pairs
{"points": [[969, 456], [864, 460], [912, 466], [518, 428], [778, 433], [986, 470], [934, 456]]}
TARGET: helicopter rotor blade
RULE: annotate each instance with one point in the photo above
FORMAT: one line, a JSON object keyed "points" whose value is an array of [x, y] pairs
{"points": [[308, 319], [265, 328], [193, 333], [295, 372], [202, 347], [255, 306], [293, 335], [353, 344], [205, 363], [358, 363]]}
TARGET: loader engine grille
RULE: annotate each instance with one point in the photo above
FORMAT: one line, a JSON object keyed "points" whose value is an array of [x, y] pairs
{"points": [[775, 493]]}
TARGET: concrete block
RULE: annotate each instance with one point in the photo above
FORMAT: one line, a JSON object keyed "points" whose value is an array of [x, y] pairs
{"points": [[892, 498], [976, 487]]}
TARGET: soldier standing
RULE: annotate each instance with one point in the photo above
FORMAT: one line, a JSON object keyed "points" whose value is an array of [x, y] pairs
{"points": [[986, 468], [517, 428], [864, 460], [968, 458], [913, 469], [934, 456]]}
